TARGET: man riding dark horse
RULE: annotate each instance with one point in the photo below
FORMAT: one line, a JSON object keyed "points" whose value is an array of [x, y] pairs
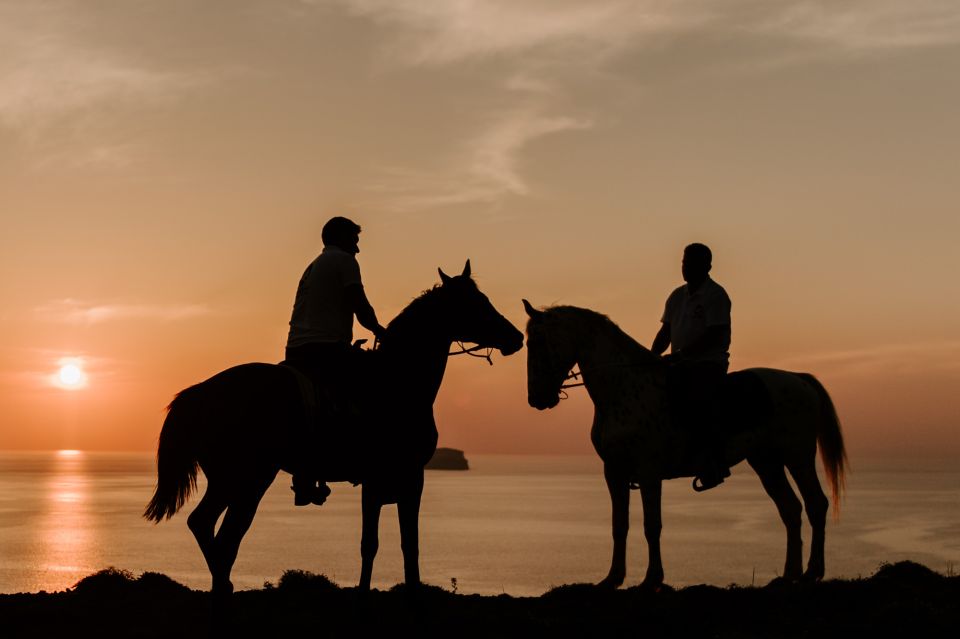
{"points": [[329, 295], [696, 326]]}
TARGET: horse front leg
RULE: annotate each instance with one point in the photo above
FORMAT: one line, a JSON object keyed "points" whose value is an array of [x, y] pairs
{"points": [[619, 489], [650, 494], [369, 541], [408, 512]]}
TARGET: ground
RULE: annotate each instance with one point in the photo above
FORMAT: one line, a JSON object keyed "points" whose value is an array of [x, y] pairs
{"points": [[905, 599]]}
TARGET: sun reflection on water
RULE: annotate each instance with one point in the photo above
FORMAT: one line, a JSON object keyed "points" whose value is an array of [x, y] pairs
{"points": [[66, 538]]}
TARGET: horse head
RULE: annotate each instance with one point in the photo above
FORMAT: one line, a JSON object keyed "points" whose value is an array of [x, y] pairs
{"points": [[472, 318], [551, 353]]}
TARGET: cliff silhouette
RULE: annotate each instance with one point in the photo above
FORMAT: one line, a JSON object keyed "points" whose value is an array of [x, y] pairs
{"points": [[448, 459], [904, 599]]}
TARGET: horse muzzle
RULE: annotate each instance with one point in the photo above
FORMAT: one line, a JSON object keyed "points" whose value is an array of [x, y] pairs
{"points": [[513, 344], [541, 402]]}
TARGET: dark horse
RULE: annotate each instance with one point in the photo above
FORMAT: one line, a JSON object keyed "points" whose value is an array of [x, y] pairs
{"points": [[243, 425], [781, 419]]}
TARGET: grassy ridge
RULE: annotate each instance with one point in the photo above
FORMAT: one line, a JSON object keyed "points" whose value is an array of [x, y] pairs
{"points": [[904, 599]]}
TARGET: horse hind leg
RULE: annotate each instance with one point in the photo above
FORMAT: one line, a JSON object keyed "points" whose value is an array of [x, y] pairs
{"points": [[774, 481], [816, 503], [202, 522], [241, 508]]}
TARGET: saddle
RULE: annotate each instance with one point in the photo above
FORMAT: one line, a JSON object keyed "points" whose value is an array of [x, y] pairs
{"points": [[333, 428], [738, 403], [707, 422], [322, 404]]}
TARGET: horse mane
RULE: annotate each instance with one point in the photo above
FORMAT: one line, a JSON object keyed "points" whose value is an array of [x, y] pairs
{"points": [[410, 314], [597, 323]]}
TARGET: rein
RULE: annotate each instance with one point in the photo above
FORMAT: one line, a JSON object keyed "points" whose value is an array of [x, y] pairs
{"points": [[576, 375], [572, 375], [472, 352]]}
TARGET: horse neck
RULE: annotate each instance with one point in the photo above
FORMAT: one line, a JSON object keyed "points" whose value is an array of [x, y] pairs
{"points": [[610, 361], [415, 350]]}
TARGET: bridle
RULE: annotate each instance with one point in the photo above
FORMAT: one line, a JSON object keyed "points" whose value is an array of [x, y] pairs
{"points": [[577, 374], [472, 352], [571, 375]]}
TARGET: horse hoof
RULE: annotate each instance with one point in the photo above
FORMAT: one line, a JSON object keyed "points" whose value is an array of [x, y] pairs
{"points": [[651, 586], [780, 582], [611, 582]]}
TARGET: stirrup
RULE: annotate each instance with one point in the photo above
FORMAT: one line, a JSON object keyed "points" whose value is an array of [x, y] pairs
{"points": [[699, 485], [712, 480]]}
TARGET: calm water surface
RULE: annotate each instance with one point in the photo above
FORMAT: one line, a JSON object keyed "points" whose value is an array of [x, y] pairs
{"points": [[514, 524]]}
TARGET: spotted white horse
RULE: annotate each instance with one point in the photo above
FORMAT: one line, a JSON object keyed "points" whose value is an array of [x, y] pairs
{"points": [[778, 419]]}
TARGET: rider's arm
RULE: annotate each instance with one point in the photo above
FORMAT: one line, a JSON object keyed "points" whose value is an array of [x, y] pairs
{"points": [[357, 299], [662, 340]]}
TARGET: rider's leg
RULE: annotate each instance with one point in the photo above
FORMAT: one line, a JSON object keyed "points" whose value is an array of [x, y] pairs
{"points": [[706, 379]]}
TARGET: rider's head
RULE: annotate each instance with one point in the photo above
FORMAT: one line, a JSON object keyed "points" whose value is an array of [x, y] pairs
{"points": [[342, 233], [697, 260]]}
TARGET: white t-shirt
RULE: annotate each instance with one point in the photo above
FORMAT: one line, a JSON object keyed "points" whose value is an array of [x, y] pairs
{"points": [[689, 316], [321, 312]]}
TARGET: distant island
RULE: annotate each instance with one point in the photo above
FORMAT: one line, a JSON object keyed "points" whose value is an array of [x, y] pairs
{"points": [[901, 600], [448, 459]]}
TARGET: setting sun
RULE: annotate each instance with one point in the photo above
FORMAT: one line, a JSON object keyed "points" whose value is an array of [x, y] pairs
{"points": [[70, 375]]}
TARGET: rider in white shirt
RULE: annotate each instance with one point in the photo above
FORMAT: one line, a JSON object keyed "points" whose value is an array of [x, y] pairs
{"points": [[696, 326], [330, 293]]}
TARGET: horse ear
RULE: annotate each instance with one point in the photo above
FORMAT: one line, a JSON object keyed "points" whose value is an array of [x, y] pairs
{"points": [[466, 269], [531, 311], [443, 276]]}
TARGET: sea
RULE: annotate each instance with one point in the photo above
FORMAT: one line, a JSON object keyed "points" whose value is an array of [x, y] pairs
{"points": [[515, 524]]}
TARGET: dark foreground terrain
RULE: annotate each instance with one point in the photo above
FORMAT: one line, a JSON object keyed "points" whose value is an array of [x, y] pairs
{"points": [[904, 599]]}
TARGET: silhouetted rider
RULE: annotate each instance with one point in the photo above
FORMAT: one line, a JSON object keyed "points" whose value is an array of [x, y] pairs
{"points": [[330, 293], [696, 325]]}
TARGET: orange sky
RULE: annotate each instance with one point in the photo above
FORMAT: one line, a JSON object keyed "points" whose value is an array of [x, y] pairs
{"points": [[165, 169]]}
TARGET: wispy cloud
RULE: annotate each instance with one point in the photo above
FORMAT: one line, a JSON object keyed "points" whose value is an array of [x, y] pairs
{"points": [[888, 359], [435, 32], [39, 369], [487, 168], [865, 25], [57, 83], [546, 48], [71, 311]]}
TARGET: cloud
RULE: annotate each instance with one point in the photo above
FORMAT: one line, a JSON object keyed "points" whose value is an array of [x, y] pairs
{"points": [[867, 24], [71, 311], [57, 82], [890, 359], [546, 50], [37, 369], [487, 167], [438, 32]]}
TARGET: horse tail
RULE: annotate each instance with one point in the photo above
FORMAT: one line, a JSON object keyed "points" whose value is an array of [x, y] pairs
{"points": [[830, 441], [177, 463]]}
